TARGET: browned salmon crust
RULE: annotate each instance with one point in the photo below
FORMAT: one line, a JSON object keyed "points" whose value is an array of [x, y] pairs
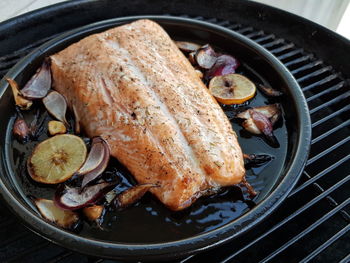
{"points": [[134, 87]]}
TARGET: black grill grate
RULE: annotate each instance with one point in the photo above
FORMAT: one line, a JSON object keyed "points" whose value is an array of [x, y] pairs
{"points": [[312, 225]]}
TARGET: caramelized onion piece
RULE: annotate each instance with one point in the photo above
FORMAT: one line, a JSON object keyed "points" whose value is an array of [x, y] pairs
{"points": [[40, 83], [20, 101], [268, 91], [260, 120], [96, 162], [206, 57], [131, 195], [54, 214], [225, 64], [73, 198], [93, 213], [56, 105], [187, 46]]}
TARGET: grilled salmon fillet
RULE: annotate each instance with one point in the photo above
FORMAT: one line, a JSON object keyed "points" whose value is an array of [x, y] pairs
{"points": [[132, 86]]}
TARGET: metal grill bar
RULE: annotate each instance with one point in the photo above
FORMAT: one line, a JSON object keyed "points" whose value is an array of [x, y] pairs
{"points": [[290, 217], [264, 38], [328, 103], [273, 43], [328, 150], [299, 60], [320, 82], [329, 132], [283, 48], [346, 259], [314, 74], [326, 244], [307, 66], [331, 116], [320, 175], [307, 230], [290, 54], [328, 90]]}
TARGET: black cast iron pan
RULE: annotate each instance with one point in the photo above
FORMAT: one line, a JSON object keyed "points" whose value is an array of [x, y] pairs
{"points": [[149, 231]]}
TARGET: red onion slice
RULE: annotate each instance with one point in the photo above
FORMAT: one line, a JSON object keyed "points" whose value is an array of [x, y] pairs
{"points": [[98, 162], [224, 64], [40, 83], [95, 157], [56, 215], [131, 195], [73, 198], [56, 105]]}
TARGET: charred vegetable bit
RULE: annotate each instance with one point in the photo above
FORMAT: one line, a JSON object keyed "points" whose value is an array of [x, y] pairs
{"points": [[224, 64], [20, 101], [250, 188], [93, 213], [206, 57], [56, 127], [131, 195], [56, 215], [187, 46], [21, 130], [270, 92], [96, 162], [260, 120], [56, 105], [256, 159], [40, 83], [74, 198]]}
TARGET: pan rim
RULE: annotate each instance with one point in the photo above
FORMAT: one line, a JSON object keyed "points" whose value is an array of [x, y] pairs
{"points": [[192, 244]]}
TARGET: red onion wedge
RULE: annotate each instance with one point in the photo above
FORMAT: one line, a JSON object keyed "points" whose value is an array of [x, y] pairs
{"points": [[52, 213], [40, 83], [56, 105], [206, 57], [187, 46], [73, 198], [268, 91], [260, 120], [96, 162], [131, 195], [225, 64], [20, 101]]}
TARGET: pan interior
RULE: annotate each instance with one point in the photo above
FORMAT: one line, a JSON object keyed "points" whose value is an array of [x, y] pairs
{"points": [[149, 221]]}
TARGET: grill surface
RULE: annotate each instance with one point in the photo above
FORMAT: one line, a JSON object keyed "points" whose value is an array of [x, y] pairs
{"points": [[313, 224]]}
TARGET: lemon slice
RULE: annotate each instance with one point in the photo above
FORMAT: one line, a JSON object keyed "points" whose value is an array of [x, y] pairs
{"points": [[232, 89], [55, 160]]}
